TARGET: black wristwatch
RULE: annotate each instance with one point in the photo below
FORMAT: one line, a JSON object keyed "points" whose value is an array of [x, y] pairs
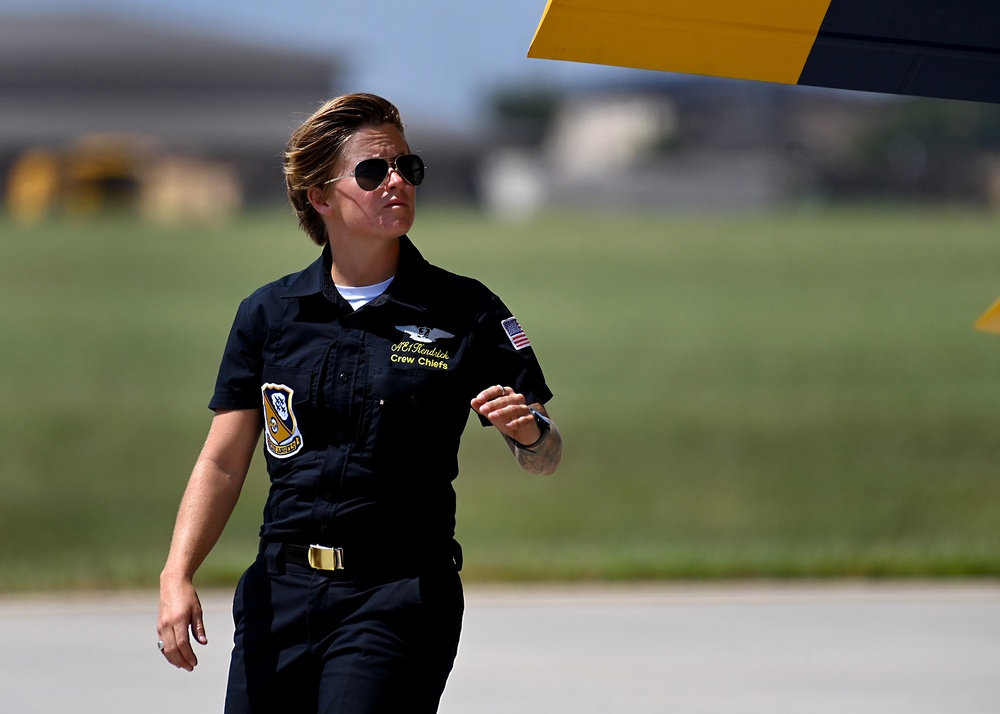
{"points": [[544, 425]]}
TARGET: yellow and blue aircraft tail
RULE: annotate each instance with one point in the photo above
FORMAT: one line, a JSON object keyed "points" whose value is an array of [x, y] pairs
{"points": [[934, 48]]}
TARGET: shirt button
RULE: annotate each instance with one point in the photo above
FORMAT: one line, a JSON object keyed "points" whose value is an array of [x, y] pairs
{"points": [[340, 436], [328, 495], [342, 377]]}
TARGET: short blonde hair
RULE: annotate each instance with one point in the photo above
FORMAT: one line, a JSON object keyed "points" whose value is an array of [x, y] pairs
{"points": [[315, 146]]}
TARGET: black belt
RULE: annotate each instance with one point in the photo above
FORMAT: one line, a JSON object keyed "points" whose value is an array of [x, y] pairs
{"points": [[369, 562]]}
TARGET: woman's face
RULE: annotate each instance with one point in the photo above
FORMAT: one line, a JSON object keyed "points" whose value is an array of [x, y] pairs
{"points": [[350, 211]]}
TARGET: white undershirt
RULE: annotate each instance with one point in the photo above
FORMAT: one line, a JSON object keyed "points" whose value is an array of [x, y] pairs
{"points": [[362, 295]]}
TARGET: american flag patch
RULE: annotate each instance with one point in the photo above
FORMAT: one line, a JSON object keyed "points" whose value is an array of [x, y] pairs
{"points": [[516, 334]]}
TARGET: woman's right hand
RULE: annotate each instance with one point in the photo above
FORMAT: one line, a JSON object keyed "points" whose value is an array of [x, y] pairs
{"points": [[180, 613], [209, 499]]}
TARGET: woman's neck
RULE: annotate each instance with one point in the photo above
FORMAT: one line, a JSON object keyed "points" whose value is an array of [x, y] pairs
{"points": [[358, 264]]}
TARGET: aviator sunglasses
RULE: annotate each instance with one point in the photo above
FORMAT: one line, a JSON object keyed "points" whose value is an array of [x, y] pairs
{"points": [[370, 173]]}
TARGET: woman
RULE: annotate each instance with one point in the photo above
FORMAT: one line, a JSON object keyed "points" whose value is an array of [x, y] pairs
{"points": [[364, 366]]}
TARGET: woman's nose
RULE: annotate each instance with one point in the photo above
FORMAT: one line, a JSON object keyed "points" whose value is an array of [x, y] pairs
{"points": [[393, 177]]}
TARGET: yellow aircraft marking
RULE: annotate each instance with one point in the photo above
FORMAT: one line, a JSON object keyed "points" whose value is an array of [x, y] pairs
{"points": [[745, 39], [989, 321]]}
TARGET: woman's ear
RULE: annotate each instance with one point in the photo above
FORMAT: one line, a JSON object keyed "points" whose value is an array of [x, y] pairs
{"points": [[317, 197]]}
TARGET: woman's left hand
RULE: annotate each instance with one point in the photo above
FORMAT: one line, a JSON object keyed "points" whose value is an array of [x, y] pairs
{"points": [[508, 412]]}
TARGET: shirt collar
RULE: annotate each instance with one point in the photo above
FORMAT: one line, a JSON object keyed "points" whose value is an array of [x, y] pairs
{"points": [[408, 288], [405, 288], [310, 280]]}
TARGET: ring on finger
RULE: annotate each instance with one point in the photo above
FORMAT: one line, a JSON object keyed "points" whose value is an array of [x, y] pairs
{"points": [[159, 645]]}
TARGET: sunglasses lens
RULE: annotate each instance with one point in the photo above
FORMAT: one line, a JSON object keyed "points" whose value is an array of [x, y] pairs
{"points": [[370, 173], [411, 168]]}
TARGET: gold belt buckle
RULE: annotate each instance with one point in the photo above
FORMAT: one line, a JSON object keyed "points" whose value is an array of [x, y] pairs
{"points": [[323, 558]]}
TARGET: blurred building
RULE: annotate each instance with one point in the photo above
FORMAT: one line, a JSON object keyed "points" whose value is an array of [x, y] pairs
{"points": [[108, 111], [98, 112], [709, 143]]}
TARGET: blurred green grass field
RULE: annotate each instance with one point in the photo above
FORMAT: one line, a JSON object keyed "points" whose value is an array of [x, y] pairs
{"points": [[795, 394]]}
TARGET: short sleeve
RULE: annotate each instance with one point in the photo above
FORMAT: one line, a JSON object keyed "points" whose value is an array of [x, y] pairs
{"points": [[238, 383], [505, 356]]}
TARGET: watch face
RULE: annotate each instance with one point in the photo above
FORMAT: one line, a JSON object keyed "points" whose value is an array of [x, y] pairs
{"points": [[543, 422]]}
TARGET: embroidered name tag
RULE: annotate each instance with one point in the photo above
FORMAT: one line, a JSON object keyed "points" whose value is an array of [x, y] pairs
{"points": [[418, 350], [418, 354]]}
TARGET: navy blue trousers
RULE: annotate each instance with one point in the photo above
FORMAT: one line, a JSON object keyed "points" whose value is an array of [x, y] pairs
{"points": [[317, 642]]}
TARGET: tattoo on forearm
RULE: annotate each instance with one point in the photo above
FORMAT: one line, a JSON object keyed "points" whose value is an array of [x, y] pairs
{"points": [[544, 458], [541, 458]]}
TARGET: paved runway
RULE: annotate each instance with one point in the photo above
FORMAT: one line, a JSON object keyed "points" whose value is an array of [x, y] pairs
{"points": [[741, 649]]}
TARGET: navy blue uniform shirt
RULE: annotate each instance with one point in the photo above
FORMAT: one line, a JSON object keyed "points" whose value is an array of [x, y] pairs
{"points": [[363, 410]]}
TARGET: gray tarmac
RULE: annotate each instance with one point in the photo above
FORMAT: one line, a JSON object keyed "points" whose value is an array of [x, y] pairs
{"points": [[746, 648]]}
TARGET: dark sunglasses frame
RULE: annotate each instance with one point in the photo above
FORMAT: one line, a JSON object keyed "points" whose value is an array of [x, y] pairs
{"points": [[370, 173]]}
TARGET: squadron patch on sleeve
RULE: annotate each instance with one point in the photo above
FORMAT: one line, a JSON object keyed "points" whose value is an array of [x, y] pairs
{"points": [[281, 430], [515, 333]]}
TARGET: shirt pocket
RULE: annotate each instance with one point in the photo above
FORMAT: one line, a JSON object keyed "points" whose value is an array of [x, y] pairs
{"points": [[416, 425]]}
